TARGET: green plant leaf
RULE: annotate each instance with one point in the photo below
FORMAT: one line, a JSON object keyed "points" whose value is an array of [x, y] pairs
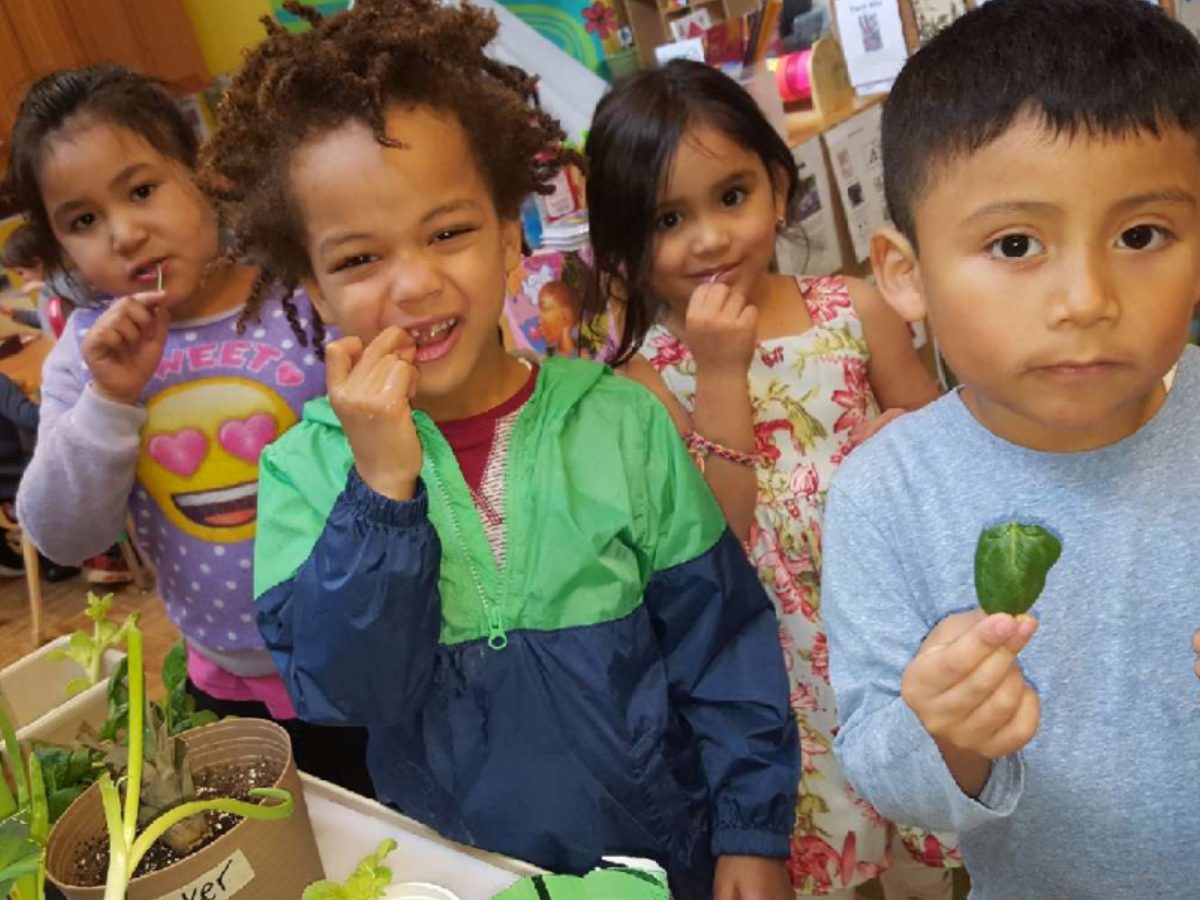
{"points": [[67, 773], [367, 882], [1012, 561], [118, 702], [20, 855], [98, 607], [174, 670], [77, 686]]}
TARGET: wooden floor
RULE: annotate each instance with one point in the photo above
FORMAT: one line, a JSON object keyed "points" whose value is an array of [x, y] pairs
{"points": [[63, 613]]}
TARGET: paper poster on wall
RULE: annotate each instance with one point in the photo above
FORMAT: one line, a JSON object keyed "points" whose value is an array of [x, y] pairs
{"points": [[933, 15], [857, 161], [811, 248], [872, 38]]}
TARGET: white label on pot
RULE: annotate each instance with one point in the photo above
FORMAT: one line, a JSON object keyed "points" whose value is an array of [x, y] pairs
{"points": [[223, 880]]}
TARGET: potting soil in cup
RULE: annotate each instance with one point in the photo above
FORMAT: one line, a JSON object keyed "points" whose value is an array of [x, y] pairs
{"points": [[227, 781]]}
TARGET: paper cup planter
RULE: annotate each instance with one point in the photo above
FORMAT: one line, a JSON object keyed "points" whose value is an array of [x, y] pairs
{"points": [[253, 860]]}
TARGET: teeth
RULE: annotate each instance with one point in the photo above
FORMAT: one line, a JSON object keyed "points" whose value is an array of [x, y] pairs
{"points": [[431, 333]]}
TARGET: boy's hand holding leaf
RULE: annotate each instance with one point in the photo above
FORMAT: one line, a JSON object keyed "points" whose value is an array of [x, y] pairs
{"points": [[370, 389], [965, 684]]}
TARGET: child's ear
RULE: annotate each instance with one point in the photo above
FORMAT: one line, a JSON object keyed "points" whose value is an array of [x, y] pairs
{"points": [[898, 274], [779, 192], [511, 236], [318, 300]]}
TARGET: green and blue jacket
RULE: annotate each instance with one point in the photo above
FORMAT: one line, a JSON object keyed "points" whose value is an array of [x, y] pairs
{"points": [[616, 688]]}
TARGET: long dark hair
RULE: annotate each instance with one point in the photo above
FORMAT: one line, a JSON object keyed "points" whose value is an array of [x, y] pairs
{"points": [[108, 94], [634, 137]]}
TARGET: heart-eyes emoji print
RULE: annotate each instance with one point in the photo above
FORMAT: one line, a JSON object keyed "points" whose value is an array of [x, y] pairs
{"points": [[200, 450]]}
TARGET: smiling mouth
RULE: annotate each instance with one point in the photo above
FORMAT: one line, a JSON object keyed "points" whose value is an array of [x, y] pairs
{"points": [[433, 333], [228, 507], [717, 274]]}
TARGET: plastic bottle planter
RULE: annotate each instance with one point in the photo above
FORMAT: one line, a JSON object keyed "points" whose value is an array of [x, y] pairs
{"points": [[34, 691], [254, 860]]}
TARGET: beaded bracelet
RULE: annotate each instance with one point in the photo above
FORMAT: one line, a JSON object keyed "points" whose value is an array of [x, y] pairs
{"points": [[701, 448]]}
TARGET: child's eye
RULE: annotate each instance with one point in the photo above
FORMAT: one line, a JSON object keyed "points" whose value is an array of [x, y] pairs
{"points": [[1015, 246], [82, 223], [143, 191], [1143, 237], [449, 234], [733, 196], [353, 262], [666, 221]]}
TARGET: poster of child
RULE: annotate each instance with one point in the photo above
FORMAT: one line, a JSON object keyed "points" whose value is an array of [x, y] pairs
{"points": [[544, 307]]}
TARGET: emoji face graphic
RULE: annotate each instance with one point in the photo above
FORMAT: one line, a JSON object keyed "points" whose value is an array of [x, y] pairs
{"points": [[200, 450]]}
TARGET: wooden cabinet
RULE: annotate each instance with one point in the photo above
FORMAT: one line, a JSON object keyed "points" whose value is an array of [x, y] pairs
{"points": [[150, 36]]}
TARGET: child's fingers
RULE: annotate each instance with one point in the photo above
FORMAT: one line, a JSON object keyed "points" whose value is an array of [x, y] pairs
{"points": [[1196, 641], [401, 381], [373, 382], [340, 357], [129, 331], [958, 659], [145, 318], [991, 713], [1019, 730], [947, 709], [386, 343], [149, 298]]}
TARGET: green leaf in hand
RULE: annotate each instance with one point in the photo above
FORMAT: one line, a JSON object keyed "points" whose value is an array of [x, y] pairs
{"points": [[1011, 564]]}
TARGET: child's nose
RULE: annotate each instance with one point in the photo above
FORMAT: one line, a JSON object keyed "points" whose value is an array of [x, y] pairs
{"points": [[1088, 295], [413, 281], [127, 231], [709, 235]]}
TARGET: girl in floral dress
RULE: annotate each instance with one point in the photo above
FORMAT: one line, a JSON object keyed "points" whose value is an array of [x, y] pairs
{"points": [[772, 381]]}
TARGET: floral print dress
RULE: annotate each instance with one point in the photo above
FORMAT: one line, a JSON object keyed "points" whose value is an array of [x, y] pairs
{"points": [[808, 391]]}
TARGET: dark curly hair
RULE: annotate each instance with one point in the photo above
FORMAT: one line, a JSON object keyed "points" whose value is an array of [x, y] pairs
{"points": [[351, 67], [63, 99]]}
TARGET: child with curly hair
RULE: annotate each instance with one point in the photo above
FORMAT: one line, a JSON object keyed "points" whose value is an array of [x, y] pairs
{"points": [[512, 575], [158, 403]]}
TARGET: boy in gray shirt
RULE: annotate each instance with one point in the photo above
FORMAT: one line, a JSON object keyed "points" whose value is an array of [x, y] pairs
{"points": [[1043, 170]]}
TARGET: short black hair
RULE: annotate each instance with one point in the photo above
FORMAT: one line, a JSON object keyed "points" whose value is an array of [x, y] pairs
{"points": [[634, 136], [104, 93], [1104, 68]]}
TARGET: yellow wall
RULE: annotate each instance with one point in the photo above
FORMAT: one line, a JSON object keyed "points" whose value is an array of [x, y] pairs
{"points": [[225, 28]]}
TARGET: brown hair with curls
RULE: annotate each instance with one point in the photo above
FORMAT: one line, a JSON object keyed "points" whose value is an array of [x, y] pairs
{"points": [[351, 67]]}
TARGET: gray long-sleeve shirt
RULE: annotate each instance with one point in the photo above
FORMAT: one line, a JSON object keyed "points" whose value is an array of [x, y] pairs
{"points": [[1103, 802]]}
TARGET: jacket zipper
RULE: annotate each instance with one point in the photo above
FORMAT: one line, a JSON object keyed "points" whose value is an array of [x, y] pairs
{"points": [[497, 638]]}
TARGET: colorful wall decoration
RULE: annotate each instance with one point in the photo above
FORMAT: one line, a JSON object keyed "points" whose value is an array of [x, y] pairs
{"points": [[326, 7], [226, 28], [588, 30]]}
